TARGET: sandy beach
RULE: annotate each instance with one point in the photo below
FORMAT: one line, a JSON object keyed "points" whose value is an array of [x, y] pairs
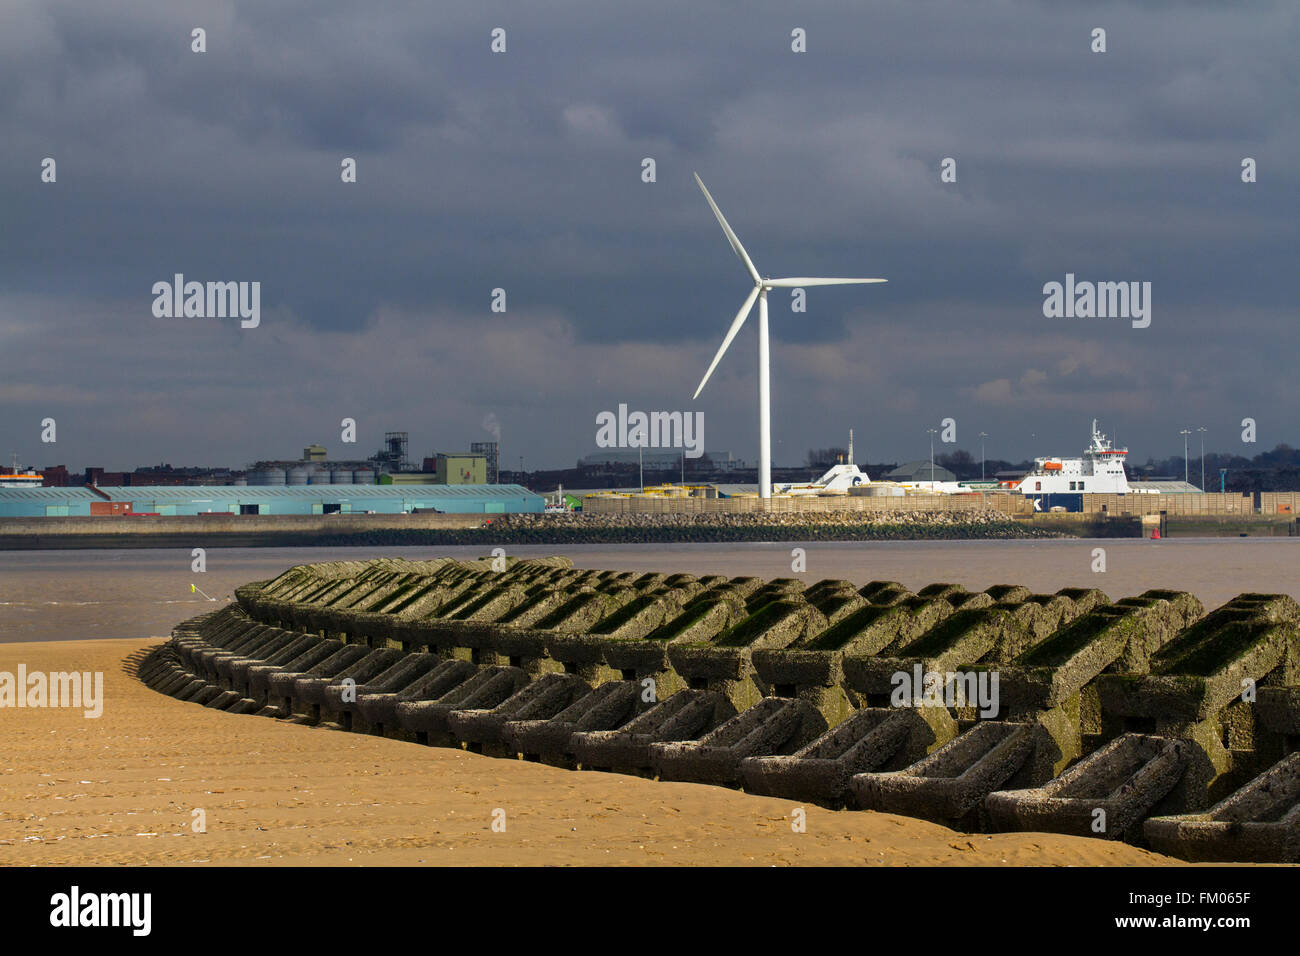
{"points": [[122, 789]]}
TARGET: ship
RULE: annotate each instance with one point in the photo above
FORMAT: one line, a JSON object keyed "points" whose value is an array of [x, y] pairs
{"points": [[1053, 484], [837, 480], [1061, 483], [21, 479]]}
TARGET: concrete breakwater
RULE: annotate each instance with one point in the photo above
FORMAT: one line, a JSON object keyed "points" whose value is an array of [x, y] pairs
{"points": [[234, 531], [1143, 719]]}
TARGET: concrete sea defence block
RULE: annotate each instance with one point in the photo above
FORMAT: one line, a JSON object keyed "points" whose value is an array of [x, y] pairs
{"points": [[1278, 709], [608, 707], [1202, 671], [259, 675], [1106, 795], [820, 772], [370, 677], [1259, 822], [727, 657], [962, 639], [951, 783], [483, 729], [281, 686], [884, 593], [875, 629], [312, 690], [1109, 637], [427, 719], [774, 726], [686, 715], [379, 708]]}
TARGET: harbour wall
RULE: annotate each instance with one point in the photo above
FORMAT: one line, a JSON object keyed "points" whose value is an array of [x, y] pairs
{"points": [[214, 530]]}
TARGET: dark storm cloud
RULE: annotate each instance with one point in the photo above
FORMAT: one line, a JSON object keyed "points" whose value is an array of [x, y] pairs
{"points": [[522, 171]]}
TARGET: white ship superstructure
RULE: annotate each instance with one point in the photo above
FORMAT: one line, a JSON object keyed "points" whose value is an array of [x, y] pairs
{"points": [[1059, 482], [15, 478]]}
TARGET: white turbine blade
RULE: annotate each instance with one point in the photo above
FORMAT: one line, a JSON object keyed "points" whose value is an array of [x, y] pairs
{"points": [[731, 235], [731, 334], [800, 281]]}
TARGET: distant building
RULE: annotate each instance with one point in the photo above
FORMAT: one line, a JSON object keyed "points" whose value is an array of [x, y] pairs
{"points": [[314, 453], [460, 469], [919, 471], [264, 500]]}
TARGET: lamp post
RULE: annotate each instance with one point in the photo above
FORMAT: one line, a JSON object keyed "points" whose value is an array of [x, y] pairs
{"points": [[1185, 432], [983, 435], [1202, 431], [932, 432]]}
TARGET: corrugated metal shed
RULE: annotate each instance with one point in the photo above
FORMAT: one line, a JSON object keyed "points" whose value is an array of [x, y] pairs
{"points": [[276, 499]]}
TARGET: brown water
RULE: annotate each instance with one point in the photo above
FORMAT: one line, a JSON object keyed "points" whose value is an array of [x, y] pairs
{"points": [[66, 595]]}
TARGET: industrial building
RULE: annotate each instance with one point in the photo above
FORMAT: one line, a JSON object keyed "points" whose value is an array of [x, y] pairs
{"points": [[268, 500]]}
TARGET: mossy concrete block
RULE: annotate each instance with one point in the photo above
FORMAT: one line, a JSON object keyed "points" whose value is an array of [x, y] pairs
{"points": [[820, 771], [483, 729], [608, 707], [1007, 593], [1201, 677], [427, 719], [313, 689], [799, 668], [774, 590], [403, 671], [878, 629], [686, 715], [1106, 795], [1084, 599], [1259, 823], [884, 593], [283, 687], [378, 709], [1058, 740], [728, 656], [232, 670], [773, 726], [942, 590], [1032, 621], [951, 783], [1059, 666], [961, 639], [1278, 709], [259, 676]]}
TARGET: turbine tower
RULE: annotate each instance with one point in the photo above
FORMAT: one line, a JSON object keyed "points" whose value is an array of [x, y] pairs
{"points": [[761, 288]]}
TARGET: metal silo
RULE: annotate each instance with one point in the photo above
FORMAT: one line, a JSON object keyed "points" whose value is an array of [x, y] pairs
{"points": [[266, 476], [363, 476], [296, 476], [341, 476]]}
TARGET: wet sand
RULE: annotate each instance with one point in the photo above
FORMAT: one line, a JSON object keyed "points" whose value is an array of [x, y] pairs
{"points": [[120, 789]]}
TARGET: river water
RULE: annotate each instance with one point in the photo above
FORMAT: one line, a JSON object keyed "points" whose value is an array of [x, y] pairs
{"points": [[70, 595]]}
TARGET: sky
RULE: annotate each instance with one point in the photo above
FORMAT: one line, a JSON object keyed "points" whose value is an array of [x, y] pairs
{"points": [[522, 170]]}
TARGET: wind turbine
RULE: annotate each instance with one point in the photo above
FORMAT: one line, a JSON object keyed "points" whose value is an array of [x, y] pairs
{"points": [[761, 288]]}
